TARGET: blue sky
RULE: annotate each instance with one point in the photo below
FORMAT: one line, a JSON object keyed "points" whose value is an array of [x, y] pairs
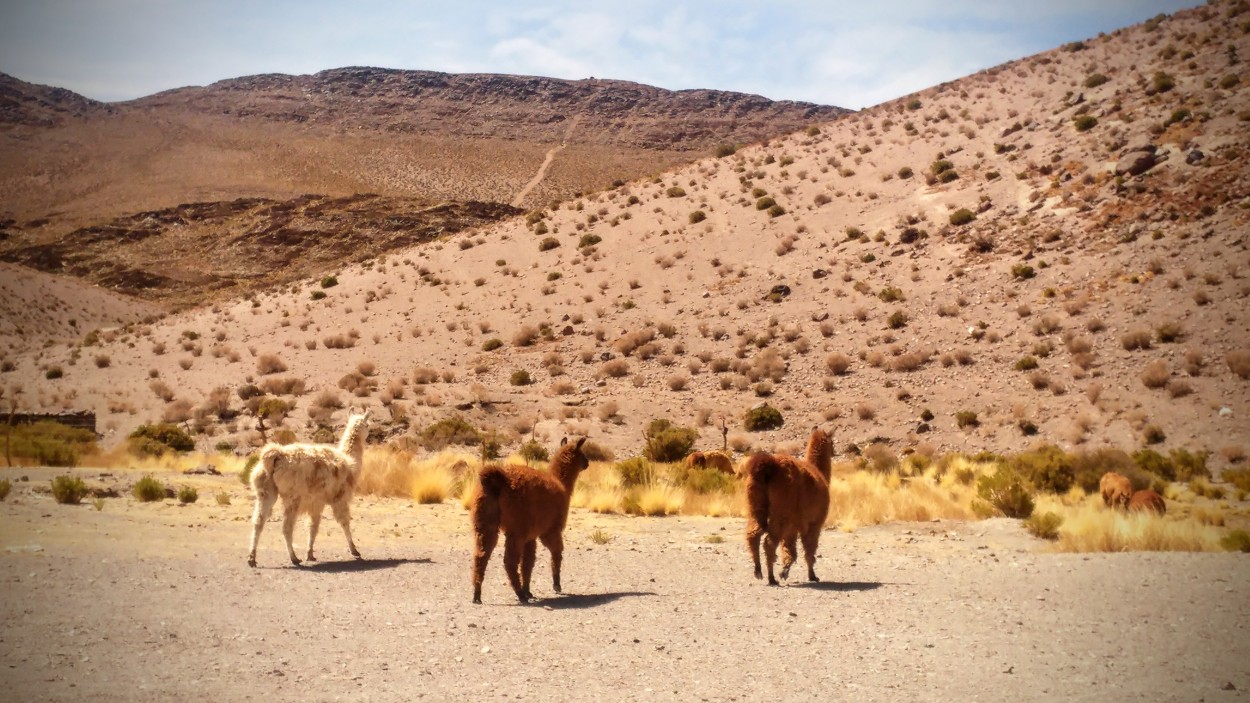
{"points": [[851, 54]]}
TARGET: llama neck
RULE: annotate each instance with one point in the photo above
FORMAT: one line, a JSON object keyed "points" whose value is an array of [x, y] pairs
{"points": [[353, 442], [820, 454], [565, 469]]}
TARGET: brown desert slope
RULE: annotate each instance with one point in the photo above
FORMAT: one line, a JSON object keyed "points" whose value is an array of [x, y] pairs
{"points": [[68, 162], [1054, 249]]}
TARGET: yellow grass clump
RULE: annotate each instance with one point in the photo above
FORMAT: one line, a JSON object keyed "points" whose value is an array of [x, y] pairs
{"points": [[943, 491], [1091, 527], [393, 472], [121, 459]]}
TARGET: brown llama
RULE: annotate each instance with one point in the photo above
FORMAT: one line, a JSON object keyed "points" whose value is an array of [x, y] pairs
{"points": [[1148, 501], [528, 505], [1116, 490], [306, 477], [710, 460], [788, 500]]}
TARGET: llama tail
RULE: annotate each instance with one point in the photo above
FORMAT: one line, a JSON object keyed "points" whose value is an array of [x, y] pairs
{"points": [[759, 471], [262, 474], [493, 481]]}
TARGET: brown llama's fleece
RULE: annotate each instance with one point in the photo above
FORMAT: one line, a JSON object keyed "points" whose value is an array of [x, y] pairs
{"points": [[528, 505], [710, 460], [788, 500], [1148, 501], [1116, 490]]}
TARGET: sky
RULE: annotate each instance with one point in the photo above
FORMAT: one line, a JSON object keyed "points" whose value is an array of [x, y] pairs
{"points": [[850, 54]]}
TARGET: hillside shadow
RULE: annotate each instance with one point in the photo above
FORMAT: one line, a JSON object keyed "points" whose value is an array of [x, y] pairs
{"points": [[839, 586], [588, 600], [354, 565]]}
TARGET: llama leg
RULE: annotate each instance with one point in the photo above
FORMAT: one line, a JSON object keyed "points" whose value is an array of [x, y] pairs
{"points": [[789, 551], [290, 513], [770, 556], [754, 533], [343, 515], [314, 522], [555, 545], [265, 500], [484, 540], [512, 549], [811, 540], [527, 566]]}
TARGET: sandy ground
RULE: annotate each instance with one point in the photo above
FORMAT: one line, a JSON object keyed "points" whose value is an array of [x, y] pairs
{"points": [[155, 602]]}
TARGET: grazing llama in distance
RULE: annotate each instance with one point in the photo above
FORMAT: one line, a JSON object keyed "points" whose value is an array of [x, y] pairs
{"points": [[307, 477], [1116, 490], [788, 500], [710, 460], [528, 505], [1147, 501]]}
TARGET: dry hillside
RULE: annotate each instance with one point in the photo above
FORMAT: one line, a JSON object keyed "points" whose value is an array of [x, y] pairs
{"points": [[1055, 249]]}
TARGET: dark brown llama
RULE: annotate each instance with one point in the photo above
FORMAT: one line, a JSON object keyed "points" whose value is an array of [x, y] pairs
{"points": [[788, 500], [710, 460], [1147, 501], [528, 505]]}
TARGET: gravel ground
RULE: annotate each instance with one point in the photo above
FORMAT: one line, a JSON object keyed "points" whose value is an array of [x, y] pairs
{"points": [[140, 602]]}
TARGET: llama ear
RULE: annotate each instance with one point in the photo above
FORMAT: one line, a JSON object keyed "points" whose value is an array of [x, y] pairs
{"points": [[564, 441], [580, 442]]}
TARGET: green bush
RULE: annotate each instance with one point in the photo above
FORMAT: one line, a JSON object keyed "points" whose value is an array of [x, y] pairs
{"points": [[776, 211], [533, 451], [941, 166], [1089, 467], [905, 172], [148, 489], [676, 192], [329, 282], [317, 295], [1236, 541], [1022, 271], [520, 377], [1162, 82], [5, 487], [762, 417], [697, 216], [962, 216], [492, 344], [548, 243], [1044, 525], [966, 418], [725, 150], [588, 240], [1026, 363], [708, 480], [154, 440], [1095, 79], [53, 373], [1238, 477], [48, 443], [891, 294], [668, 442], [897, 320], [1006, 493], [450, 430], [68, 490], [223, 498], [1189, 465], [188, 495], [764, 203], [1047, 468], [1084, 123], [635, 471], [245, 474]]}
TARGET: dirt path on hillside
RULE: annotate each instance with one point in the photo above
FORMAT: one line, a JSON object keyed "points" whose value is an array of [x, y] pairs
{"points": [[519, 200], [146, 602]]}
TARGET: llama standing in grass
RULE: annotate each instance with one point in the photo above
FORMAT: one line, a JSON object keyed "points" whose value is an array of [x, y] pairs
{"points": [[1147, 501], [306, 477], [788, 500], [528, 505], [1116, 490], [710, 460]]}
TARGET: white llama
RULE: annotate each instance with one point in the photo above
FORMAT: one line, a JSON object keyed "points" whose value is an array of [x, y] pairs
{"points": [[307, 476]]}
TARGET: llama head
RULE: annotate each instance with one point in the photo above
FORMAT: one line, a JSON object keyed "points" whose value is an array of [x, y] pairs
{"points": [[571, 456]]}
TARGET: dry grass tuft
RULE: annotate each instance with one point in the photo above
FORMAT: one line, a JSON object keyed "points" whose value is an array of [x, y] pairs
{"points": [[1090, 527]]}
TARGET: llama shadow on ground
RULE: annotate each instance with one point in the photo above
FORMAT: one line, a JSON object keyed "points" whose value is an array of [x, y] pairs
{"points": [[839, 586], [588, 600], [340, 567]]}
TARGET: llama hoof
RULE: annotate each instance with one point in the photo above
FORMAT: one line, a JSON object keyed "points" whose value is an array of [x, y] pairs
{"points": [[759, 574], [785, 574], [356, 553], [251, 561], [310, 558], [813, 578], [477, 600], [295, 561], [527, 596], [772, 581]]}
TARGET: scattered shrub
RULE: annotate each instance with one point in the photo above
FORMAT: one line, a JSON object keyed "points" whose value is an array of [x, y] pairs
{"points": [[520, 377], [1236, 541], [1044, 525], [1022, 271], [838, 363], [548, 243], [329, 282], [1026, 363], [676, 192], [966, 418], [635, 471], [1084, 123], [154, 440], [1156, 374], [188, 495], [48, 443], [668, 442], [1006, 493], [492, 344], [450, 430], [962, 216], [533, 452], [1095, 79], [1239, 362], [68, 490], [697, 216], [1136, 339], [148, 489], [762, 417]]}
